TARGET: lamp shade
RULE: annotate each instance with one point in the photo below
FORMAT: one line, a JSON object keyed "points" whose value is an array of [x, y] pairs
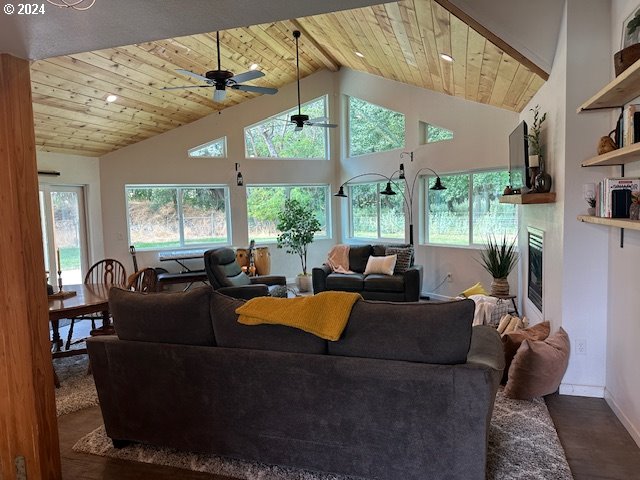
{"points": [[340, 192], [438, 185], [388, 190]]}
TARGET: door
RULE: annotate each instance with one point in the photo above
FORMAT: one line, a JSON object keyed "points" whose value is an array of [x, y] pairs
{"points": [[64, 233]]}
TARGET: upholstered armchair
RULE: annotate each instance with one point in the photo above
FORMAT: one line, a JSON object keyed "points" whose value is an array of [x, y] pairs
{"points": [[226, 276]]}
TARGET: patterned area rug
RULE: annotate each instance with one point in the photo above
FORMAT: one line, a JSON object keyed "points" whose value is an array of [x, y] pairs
{"points": [[77, 390], [523, 445]]}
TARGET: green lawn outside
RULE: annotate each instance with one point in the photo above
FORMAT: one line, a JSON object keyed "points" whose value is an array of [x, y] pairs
{"points": [[170, 244]]}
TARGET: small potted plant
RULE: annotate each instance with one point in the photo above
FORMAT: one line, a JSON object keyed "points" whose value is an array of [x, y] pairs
{"points": [[591, 201], [499, 259], [542, 181], [297, 225]]}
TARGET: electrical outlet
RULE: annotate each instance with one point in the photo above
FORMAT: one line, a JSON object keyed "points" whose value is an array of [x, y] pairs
{"points": [[581, 346], [449, 277]]}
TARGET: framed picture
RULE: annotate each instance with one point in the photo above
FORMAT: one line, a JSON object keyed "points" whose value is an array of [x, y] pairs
{"points": [[631, 29]]}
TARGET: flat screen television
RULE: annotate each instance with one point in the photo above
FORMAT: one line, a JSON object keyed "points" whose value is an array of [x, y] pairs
{"points": [[519, 157]]}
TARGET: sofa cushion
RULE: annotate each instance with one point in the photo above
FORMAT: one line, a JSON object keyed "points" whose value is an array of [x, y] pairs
{"points": [[353, 282], [181, 318], [358, 256], [381, 265], [231, 334], [384, 283], [437, 333]]}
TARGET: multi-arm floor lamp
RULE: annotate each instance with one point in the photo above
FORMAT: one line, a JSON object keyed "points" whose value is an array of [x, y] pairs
{"points": [[407, 193]]}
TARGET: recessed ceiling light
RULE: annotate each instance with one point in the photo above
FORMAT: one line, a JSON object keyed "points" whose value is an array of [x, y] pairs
{"points": [[359, 54], [254, 66], [111, 98], [446, 58]]}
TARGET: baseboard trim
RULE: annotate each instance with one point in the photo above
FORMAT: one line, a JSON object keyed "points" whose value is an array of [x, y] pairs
{"points": [[581, 390], [631, 428]]}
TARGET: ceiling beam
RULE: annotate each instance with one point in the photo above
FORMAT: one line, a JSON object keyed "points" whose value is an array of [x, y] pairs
{"points": [[314, 47]]}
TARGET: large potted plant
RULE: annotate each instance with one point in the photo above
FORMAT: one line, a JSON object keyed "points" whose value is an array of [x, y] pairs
{"points": [[297, 225], [542, 181], [499, 259]]}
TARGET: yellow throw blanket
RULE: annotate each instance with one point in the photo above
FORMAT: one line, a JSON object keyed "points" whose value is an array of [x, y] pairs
{"points": [[324, 315]]}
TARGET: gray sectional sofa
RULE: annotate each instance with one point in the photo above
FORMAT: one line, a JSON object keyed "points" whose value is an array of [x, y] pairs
{"points": [[400, 287], [406, 393]]}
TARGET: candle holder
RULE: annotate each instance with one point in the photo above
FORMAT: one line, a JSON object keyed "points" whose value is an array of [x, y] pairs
{"points": [[61, 294]]}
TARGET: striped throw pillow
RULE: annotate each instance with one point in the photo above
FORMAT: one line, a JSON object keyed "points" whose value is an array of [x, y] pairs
{"points": [[404, 258]]}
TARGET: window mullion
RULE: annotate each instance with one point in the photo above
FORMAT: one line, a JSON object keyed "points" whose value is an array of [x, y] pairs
{"points": [[180, 216], [470, 209]]}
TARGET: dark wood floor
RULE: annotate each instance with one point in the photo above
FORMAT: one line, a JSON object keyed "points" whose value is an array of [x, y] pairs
{"points": [[596, 444]]}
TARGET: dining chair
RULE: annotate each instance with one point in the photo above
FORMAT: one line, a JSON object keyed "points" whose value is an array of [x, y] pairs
{"points": [[145, 281], [108, 272]]}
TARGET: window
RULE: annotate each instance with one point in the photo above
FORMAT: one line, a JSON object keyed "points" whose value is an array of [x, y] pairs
{"points": [[213, 149], [373, 128], [469, 209], [265, 201], [276, 137], [434, 133], [177, 216], [375, 216]]}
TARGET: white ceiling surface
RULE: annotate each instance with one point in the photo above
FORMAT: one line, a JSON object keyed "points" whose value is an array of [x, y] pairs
{"points": [[111, 23], [531, 27]]}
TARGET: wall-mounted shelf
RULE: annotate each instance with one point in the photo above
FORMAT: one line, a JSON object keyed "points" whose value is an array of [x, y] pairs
{"points": [[611, 222], [624, 88], [621, 156], [529, 198]]}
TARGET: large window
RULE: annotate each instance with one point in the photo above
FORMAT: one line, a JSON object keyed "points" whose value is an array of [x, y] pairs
{"points": [[276, 137], [264, 202], [373, 215], [373, 128], [213, 149], [177, 216], [468, 211]]}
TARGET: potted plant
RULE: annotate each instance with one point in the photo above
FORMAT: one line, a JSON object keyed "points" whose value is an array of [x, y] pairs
{"points": [[591, 201], [297, 225], [499, 259], [542, 181]]}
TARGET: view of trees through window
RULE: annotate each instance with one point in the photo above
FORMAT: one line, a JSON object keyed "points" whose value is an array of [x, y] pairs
{"points": [[437, 134], [166, 217], [276, 137], [215, 148], [468, 211], [373, 128], [264, 203], [374, 215]]}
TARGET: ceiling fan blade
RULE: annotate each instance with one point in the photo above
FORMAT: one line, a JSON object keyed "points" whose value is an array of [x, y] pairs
{"points": [[317, 120], [247, 76], [297, 129], [251, 88], [219, 95], [194, 75], [325, 125], [187, 86]]}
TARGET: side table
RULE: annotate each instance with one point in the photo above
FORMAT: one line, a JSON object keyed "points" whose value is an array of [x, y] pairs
{"points": [[513, 301]]}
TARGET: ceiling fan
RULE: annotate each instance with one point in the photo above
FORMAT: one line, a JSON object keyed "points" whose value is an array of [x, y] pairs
{"points": [[300, 120], [221, 79]]}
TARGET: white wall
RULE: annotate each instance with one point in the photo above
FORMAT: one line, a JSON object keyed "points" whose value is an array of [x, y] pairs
{"points": [[81, 171], [623, 332], [480, 141], [163, 160]]}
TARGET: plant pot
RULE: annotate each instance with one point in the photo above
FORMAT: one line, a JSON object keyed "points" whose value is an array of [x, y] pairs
{"points": [[304, 283], [591, 211], [626, 57], [500, 287]]}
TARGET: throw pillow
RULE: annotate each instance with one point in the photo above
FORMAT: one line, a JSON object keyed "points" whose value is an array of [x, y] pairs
{"points": [[538, 367], [381, 265], [476, 289], [511, 342], [405, 255]]}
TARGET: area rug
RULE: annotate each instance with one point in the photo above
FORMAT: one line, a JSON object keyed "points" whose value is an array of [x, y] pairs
{"points": [[523, 444], [77, 390]]}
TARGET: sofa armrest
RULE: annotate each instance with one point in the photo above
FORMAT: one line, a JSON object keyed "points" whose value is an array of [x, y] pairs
{"points": [[269, 279], [319, 278], [413, 283], [486, 349], [246, 291]]}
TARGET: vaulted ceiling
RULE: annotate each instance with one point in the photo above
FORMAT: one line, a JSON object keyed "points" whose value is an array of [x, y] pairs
{"points": [[399, 40]]}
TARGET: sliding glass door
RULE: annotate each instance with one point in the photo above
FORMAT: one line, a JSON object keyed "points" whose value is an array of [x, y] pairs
{"points": [[64, 232]]}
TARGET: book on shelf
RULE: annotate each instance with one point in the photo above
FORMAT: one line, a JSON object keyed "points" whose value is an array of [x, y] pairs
{"points": [[610, 202], [630, 133]]}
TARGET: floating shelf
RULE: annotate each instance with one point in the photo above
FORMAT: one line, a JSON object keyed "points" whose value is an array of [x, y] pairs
{"points": [[611, 222], [621, 156], [624, 88], [529, 198]]}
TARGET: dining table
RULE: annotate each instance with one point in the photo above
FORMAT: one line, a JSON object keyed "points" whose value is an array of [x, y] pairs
{"points": [[88, 299]]}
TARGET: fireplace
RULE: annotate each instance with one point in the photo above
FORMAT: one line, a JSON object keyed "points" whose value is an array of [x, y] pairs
{"points": [[534, 283]]}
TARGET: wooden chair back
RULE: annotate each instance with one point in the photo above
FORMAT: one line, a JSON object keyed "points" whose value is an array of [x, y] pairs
{"points": [[107, 272], [145, 280]]}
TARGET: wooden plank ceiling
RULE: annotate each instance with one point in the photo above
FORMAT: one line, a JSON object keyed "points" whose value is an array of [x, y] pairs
{"points": [[399, 40]]}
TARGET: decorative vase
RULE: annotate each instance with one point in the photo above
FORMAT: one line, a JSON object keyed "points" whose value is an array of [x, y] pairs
{"points": [[499, 287], [543, 180], [591, 211], [304, 283]]}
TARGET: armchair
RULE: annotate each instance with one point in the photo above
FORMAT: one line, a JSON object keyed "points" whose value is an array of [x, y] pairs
{"points": [[226, 276]]}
